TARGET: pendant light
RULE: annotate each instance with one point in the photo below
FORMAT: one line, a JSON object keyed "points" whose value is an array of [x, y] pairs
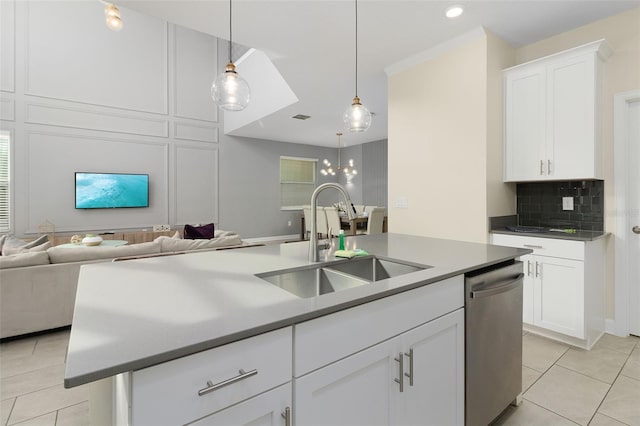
{"points": [[357, 117], [230, 91]]}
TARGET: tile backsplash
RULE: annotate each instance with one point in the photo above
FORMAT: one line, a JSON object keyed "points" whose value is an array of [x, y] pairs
{"points": [[540, 204]]}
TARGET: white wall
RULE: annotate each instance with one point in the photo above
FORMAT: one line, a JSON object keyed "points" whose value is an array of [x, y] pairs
{"points": [[79, 97], [437, 133]]}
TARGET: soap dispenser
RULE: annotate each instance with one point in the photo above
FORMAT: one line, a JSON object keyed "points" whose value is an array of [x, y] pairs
{"points": [[341, 240]]}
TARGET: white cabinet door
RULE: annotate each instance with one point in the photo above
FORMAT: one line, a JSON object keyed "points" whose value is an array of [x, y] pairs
{"points": [[571, 126], [527, 288], [525, 109], [267, 409], [551, 109], [434, 387], [357, 390], [559, 295]]}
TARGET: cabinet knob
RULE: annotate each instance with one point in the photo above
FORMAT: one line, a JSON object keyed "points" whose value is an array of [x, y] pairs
{"points": [[636, 229]]}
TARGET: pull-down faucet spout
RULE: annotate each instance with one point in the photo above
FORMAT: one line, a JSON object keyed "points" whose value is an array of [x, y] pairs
{"points": [[313, 239]]}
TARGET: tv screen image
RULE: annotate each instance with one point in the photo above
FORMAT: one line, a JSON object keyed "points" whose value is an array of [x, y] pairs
{"points": [[111, 190]]}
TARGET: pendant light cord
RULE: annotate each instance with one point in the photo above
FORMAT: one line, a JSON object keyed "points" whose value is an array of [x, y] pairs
{"points": [[356, 1], [230, 33]]}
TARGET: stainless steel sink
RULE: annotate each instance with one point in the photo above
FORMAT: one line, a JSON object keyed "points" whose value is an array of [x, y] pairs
{"points": [[317, 280], [376, 269]]}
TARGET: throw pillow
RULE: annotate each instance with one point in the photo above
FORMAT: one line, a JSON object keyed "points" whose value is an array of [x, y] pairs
{"points": [[204, 232], [42, 247], [11, 243]]}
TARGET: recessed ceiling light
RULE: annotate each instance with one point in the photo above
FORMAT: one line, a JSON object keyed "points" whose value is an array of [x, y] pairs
{"points": [[301, 117], [454, 11]]}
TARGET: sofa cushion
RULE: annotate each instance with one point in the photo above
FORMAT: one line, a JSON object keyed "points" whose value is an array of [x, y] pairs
{"points": [[11, 243], [82, 254], [225, 238], [24, 259], [203, 232], [8, 251]]}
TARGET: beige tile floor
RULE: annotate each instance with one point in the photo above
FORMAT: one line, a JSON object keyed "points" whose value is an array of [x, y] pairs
{"points": [[561, 385]]}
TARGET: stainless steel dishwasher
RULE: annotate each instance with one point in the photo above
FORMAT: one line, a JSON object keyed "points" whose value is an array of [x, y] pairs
{"points": [[493, 341]]}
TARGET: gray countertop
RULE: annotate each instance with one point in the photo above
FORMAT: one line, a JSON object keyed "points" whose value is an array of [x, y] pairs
{"points": [[138, 313], [578, 236]]}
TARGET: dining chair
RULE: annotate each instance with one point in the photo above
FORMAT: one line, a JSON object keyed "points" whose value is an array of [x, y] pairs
{"points": [[359, 208], [306, 211], [368, 209], [374, 223], [333, 220], [322, 221]]}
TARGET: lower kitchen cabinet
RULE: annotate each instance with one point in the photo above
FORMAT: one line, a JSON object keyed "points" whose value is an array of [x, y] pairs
{"points": [[563, 290], [559, 296], [414, 378], [272, 408]]}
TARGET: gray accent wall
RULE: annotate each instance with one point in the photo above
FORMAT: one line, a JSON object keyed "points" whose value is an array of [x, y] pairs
{"points": [[250, 185], [374, 173]]}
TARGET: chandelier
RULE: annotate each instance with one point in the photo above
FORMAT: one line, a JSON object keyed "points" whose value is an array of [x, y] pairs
{"points": [[349, 171]]}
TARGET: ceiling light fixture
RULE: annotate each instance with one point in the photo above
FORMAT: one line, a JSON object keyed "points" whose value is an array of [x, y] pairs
{"points": [[454, 11], [349, 171], [357, 117], [230, 91], [112, 16]]}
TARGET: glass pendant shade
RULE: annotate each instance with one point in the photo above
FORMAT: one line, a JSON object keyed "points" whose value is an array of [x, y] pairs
{"points": [[230, 91], [357, 117]]}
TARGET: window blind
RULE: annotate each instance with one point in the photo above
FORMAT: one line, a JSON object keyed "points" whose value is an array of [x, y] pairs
{"points": [[297, 181]]}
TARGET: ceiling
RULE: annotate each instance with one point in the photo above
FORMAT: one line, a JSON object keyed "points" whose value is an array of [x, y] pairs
{"points": [[311, 43]]}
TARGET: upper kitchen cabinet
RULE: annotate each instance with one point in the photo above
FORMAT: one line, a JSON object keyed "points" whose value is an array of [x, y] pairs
{"points": [[552, 116]]}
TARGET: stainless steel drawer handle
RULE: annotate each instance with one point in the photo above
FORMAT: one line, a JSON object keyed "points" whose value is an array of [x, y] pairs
{"points": [[531, 246], [211, 387], [541, 167], [537, 269], [400, 361], [528, 268], [287, 416], [410, 373]]}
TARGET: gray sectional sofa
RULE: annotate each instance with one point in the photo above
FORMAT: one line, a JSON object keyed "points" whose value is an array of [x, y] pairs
{"points": [[38, 289]]}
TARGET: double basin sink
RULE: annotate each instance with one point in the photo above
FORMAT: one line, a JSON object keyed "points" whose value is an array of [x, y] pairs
{"points": [[316, 280]]}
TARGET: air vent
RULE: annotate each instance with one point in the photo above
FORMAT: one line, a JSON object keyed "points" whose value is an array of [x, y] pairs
{"points": [[301, 117]]}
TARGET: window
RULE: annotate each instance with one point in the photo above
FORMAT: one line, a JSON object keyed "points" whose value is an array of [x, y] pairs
{"points": [[297, 182], [4, 182]]}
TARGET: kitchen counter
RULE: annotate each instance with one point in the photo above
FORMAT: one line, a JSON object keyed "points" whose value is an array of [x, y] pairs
{"points": [[578, 236], [138, 313]]}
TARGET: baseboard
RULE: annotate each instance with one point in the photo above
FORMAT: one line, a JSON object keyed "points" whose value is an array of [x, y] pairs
{"points": [[611, 327], [273, 239]]}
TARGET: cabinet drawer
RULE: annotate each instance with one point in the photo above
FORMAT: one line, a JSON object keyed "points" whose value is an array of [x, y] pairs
{"points": [[321, 341], [566, 249], [168, 393]]}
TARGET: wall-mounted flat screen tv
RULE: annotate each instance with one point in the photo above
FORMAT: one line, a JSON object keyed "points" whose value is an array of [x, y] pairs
{"points": [[111, 190]]}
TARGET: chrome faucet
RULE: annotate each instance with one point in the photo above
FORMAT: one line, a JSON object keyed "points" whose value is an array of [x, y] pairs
{"points": [[314, 254]]}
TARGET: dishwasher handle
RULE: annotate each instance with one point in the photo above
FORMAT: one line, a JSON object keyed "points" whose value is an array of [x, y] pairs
{"points": [[498, 289]]}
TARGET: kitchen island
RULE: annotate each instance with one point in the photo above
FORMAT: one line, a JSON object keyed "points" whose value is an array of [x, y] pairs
{"points": [[153, 319]]}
